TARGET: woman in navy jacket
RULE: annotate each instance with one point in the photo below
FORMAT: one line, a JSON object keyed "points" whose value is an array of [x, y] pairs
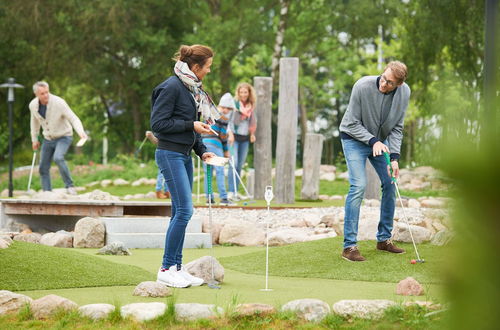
{"points": [[177, 104]]}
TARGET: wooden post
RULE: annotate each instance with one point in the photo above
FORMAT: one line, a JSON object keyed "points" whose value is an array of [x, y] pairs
{"points": [[372, 190], [313, 149], [286, 146], [262, 149], [251, 182]]}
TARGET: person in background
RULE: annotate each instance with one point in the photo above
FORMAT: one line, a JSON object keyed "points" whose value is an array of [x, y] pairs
{"points": [[217, 143], [161, 186], [57, 120], [241, 132], [176, 108]]}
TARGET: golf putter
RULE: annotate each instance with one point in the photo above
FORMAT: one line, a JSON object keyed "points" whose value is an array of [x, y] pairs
{"points": [[388, 162], [136, 153], [268, 196], [31, 171], [212, 284], [241, 181]]}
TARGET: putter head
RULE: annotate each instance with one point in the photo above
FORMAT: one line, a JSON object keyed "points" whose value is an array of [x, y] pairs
{"points": [[213, 284], [421, 260]]}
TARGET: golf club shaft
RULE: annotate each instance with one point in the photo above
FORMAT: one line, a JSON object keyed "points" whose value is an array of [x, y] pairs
{"points": [[239, 179], [406, 220], [140, 147], [31, 171], [209, 186]]}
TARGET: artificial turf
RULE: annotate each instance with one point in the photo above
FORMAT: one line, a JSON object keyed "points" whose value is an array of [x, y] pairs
{"points": [[28, 266]]}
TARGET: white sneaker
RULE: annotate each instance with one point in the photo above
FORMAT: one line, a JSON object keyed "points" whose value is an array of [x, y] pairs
{"points": [[171, 277], [195, 281], [71, 191], [233, 196]]}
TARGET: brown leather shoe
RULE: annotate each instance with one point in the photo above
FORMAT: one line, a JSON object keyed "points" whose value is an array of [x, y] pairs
{"points": [[389, 247], [352, 254], [160, 194]]}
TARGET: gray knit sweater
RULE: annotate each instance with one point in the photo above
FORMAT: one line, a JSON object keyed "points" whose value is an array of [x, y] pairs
{"points": [[363, 118]]}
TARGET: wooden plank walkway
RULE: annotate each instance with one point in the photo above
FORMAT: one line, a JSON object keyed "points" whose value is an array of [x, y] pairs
{"points": [[91, 208]]}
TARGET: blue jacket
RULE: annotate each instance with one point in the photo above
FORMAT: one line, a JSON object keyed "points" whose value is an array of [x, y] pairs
{"points": [[173, 112]]}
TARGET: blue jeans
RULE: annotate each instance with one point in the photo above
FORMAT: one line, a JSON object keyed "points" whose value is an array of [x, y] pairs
{"points": [[239, 153], [160, 182], [55, 149], [177, 169], [356, 153], [215, 146]]}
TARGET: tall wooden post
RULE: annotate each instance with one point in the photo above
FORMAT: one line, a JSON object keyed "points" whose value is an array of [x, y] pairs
{"points": [[313, 149], [262, 149], [286, 146]]}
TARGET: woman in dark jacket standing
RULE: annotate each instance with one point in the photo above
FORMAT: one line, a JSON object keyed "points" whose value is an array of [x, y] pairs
{"points": [[177, 104]]}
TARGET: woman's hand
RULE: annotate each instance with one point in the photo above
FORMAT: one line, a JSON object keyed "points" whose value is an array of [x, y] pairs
{"points": [[207, 155], [201, 128], [252, 138]]}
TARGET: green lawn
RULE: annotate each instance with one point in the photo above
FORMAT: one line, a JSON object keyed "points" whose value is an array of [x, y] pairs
{"points": [[27, 266], [323, 274]]}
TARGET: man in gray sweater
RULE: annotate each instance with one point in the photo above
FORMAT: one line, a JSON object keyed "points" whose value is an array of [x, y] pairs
{"points": [[372, 125]]}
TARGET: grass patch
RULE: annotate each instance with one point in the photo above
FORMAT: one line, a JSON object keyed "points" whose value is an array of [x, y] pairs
{"points": [[27, 266], [321, 259], [394, 318]]}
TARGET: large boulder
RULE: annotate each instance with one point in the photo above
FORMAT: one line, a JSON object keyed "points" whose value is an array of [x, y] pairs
{"points": [[194, 311], [309, 309], [202, 268], [4, 243], [442, 237], [28, 237], [11, 302], [254, 309], [367, 309], [46, 306], [61, 238], [367, 229], [89, 233], [143, 311], [401, 233], [152, 289], [287, 236], [242, 233], [96, 311], [409, 287]]}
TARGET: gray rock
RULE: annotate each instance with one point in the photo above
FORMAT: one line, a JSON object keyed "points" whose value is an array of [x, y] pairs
{"points": [[287, 236], [143, 311], [11, 302], [367, 229], [120, 182], [44, 307], [433, 203], [202, 268], [96, 311], [193, 311], [442, 237], [6, 238], [4, 244], [152, 289], [89, 233], [28, 237], [242, 233], [401, 233], [367, 309], [309, 309], [115, 248], [255, 309], [59, 239], [409, 287]]}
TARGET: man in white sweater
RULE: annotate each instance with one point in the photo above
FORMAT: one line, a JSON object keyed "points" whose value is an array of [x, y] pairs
{"points": [[57, 120]]}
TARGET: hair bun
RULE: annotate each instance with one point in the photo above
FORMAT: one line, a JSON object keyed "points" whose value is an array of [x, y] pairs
{"points": [[186, 51]]}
